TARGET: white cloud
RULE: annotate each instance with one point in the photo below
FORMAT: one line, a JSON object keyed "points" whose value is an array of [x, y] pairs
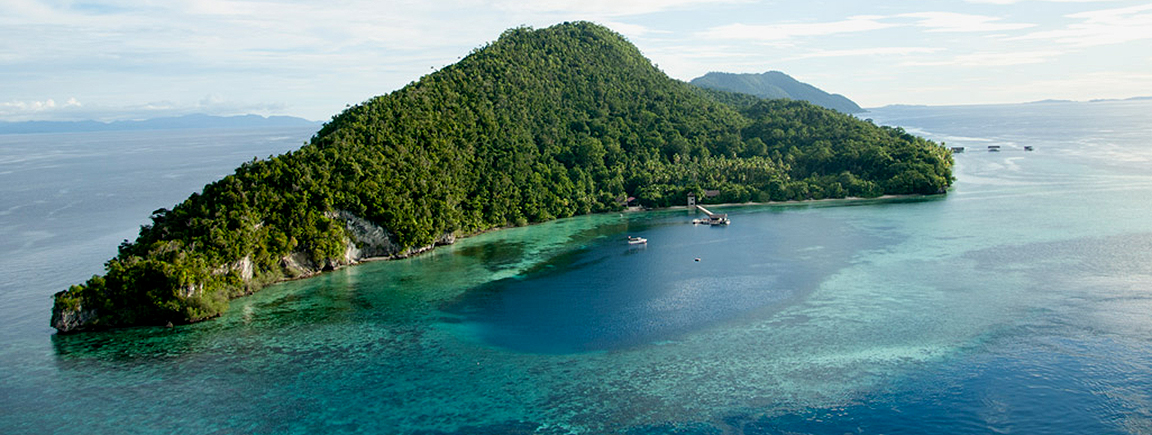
{"points": [[632, 30], [988, 59], [603, 8], [1012, 2], [116, 55], [1101, 27], [932, 21], [221, 7], [27, 109], [74, 110], [957, 22], [782, 32], [38, 106], [871, 51]]}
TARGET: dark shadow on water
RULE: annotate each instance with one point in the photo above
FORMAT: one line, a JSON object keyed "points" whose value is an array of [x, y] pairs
{"points": [[602, 294], [506, 428], [1015, 386], [126, 344], [497, 255]]}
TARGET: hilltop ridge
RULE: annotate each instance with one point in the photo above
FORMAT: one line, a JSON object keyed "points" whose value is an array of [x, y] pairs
{"points": [[538, 125]]}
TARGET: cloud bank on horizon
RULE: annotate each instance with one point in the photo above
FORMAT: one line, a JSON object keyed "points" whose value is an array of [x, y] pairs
{"points": [[132, 59]]}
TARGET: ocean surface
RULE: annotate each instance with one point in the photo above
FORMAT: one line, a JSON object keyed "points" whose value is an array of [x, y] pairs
{"points": [[1020, 302]]}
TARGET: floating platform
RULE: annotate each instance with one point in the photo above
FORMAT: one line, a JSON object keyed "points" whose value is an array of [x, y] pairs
{"points": [[713, 218]]}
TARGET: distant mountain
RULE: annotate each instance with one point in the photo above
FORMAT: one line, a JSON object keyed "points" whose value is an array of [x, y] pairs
{"points": [[186, 121], [1141, 98], [1054, 101], [1050, 101], [775, 84]]}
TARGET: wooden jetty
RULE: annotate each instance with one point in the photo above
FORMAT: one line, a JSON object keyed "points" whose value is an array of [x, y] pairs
{"points": [[713, 218]]}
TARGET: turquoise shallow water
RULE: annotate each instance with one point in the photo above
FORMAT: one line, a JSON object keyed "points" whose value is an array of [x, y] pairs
{"points": [[1020, 302]]}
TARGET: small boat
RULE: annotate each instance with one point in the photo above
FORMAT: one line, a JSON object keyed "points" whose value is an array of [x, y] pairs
{"points": [[633, 240]]}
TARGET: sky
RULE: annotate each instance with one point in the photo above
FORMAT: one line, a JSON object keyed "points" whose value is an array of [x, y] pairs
{"points": [[135, 59]]}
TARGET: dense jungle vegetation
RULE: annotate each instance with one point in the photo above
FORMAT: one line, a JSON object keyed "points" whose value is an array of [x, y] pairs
{"points": [[539, 125]]}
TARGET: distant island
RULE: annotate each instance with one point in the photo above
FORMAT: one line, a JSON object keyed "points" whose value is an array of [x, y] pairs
{"points": [[1049, 102], [775, 84], [538, 125], [167, 123]]}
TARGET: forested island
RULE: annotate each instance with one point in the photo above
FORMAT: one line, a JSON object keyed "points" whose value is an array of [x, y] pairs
{"points": [[538, 125]]}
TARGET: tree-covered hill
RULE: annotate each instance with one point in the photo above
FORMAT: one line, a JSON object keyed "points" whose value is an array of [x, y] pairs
{"points": [[539, 125], [776, 85]]}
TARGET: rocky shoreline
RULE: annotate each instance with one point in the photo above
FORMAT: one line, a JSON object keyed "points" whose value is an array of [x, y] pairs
{"points": [[366, 242]]}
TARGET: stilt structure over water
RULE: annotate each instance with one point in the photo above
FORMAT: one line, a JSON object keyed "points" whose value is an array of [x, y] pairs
{"points": [[713, 218]]}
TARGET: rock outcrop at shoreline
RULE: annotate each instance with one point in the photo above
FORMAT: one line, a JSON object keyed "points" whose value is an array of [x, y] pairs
{"points": [[365, 241]]}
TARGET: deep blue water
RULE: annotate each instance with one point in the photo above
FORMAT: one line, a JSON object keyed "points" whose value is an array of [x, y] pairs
{"points": [[604, 294], [1021, 302]]}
